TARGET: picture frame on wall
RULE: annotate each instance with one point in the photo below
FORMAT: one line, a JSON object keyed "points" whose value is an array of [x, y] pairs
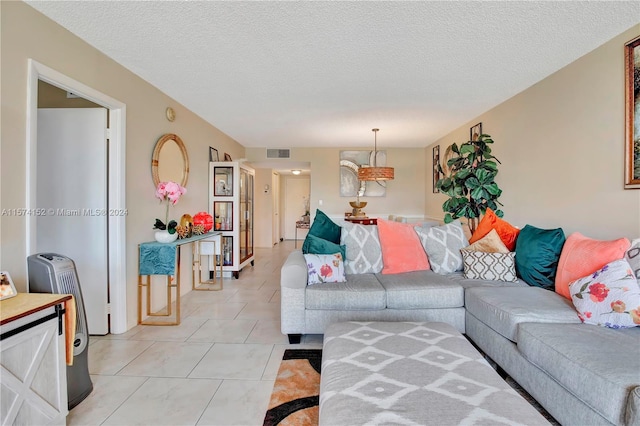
{"points": [[436, 169], [213, 154], [632, 109], [227, 157], [475, 132], [7, 288]]}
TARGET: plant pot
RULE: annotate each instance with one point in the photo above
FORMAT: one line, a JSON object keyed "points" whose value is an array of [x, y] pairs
{"points": [[165, 236]]}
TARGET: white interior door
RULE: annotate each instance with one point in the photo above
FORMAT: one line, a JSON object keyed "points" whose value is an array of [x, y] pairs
{"points": [[296, 188], [72, 188]]}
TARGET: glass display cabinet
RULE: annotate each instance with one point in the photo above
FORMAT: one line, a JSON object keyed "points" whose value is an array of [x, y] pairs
{"points": [[231, 191]]}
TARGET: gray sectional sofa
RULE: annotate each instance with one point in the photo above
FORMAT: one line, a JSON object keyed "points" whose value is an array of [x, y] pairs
{"points": [[581, 374]]}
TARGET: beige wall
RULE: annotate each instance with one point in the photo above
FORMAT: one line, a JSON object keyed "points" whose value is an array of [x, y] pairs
{"points": [[561, 144], [263, 210], [25, 33], [404, 193], [53, 97]]}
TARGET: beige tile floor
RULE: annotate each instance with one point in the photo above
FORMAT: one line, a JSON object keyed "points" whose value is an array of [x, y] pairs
{"points": [[216, 368]]}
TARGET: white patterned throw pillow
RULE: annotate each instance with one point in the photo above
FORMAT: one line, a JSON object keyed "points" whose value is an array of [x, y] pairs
{"points": [[364, 254], [325, 268], [609, 297], [443, 244], [489, 266]]}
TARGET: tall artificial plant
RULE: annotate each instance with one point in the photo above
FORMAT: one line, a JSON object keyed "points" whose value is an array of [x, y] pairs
{"points": [[470, 184]]}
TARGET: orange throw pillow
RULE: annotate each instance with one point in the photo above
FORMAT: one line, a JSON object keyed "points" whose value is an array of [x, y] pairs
{"points": [[401, 248], [508, 233], [582, 256]]}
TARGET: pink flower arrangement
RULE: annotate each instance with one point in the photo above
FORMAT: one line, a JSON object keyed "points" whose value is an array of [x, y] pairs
{"points": [[171, 193]]}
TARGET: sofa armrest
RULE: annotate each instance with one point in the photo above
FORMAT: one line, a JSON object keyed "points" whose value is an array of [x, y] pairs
{"points": [[293, 286], [294, 271]]}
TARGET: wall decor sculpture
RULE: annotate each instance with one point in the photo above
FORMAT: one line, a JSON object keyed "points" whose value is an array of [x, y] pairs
{"points": [[350, 162]]}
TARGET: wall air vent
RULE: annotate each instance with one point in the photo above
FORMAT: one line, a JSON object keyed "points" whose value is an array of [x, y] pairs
{"points": [[278, 153]]}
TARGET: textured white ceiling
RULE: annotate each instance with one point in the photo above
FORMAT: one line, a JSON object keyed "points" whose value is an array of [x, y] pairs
{"points": [[291, 74]]}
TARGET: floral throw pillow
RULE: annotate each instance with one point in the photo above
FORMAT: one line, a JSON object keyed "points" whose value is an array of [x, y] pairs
{"points": [[325, 268], [609, 297]]}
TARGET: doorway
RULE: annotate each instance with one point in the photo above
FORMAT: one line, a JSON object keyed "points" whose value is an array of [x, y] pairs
{"points": [[72, 190], [297, 190], [115, 196]]}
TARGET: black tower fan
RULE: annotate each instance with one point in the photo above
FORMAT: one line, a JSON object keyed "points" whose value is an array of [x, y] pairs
{"points": [[54, 273]]}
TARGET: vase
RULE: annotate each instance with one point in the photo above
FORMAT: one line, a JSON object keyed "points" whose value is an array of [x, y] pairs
{"points": [[165, 237]]}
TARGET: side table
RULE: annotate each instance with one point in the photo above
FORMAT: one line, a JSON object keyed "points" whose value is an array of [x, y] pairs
{"points": [[300, 225], [362, 220], [156, 258]]}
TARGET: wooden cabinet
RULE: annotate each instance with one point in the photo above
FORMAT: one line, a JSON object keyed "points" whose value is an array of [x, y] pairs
{"points": [[33, 373], [231, 192]]}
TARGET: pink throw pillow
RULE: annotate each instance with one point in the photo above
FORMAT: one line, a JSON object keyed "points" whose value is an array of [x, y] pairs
{"points": [[401, 248], [582, 256]]}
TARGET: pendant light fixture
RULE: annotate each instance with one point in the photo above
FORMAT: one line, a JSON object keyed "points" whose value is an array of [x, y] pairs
{"points": [[375, 173]]}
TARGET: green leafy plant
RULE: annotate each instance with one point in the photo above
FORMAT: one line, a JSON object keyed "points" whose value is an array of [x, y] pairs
{"points": [[470, 185]]}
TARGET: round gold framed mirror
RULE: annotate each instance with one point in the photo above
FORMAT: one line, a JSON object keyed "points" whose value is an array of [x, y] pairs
{"points": [[170, 161]]}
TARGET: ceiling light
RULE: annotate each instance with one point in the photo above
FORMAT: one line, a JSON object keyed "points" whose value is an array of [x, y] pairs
{"points": [[375, 173], [295, 172]]}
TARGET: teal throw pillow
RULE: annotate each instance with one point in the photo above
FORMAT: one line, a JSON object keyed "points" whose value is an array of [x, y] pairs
{"points": [[316, 245], [325, 228], [537, 254]]}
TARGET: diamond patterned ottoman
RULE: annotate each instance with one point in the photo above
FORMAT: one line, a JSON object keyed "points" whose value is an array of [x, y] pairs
{"points": [[412, 373]]}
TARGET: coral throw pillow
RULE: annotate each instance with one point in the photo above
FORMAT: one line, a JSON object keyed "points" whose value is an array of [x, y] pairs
{"points": [[401, 248], [508, 233], [610, 297], [582, 256]]}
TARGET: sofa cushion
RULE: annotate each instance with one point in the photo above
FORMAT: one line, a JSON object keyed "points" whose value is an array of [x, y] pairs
{"points": [[323, 227], [421, 290], [317, 245], [458, 277], [609, 297], [359, 292], [443, 244], [508, 233], [489, 266], [582, 256], [600, 366], [364, 255], [503, 310], [324, 268], [401, 248], [490, 243]]}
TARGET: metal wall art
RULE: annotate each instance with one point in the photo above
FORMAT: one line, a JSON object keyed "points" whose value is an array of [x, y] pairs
{"points": [[350, 162]]}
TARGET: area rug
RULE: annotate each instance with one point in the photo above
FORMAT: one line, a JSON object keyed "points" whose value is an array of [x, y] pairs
{"points": [[295, 396]]}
